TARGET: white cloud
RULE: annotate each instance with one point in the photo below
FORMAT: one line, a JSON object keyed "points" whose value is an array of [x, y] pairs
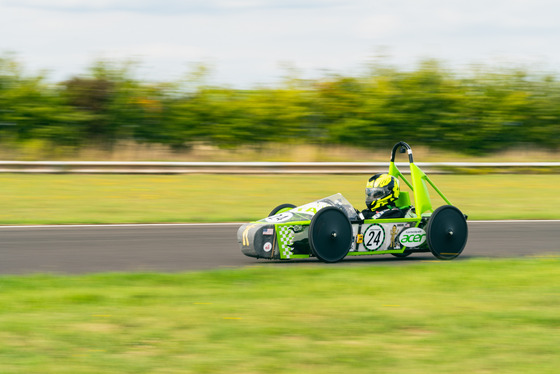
{"points": [[168, 6], [246, 40], [378, 26]]}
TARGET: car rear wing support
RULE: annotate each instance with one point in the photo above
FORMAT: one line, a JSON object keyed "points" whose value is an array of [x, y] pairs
{"points": [[422, 200]]}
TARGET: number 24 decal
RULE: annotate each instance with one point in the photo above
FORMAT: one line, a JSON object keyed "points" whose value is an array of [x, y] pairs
{"points": [[374, 236]]}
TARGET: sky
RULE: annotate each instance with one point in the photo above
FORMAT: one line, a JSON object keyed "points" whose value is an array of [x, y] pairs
{"points": [[253, 42]]}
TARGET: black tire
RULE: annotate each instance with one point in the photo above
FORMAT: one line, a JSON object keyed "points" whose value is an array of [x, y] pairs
{"points": [[330, 234], [447, 232], [280, 207]]}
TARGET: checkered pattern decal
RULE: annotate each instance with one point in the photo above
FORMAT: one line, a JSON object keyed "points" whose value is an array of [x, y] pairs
{"points": [[285, 241]]}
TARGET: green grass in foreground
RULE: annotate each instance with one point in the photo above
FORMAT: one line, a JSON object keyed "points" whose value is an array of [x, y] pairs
{"points": [[60, 199], [476, 316]]}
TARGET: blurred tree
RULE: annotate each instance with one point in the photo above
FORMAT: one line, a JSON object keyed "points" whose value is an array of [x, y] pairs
{"points": [[111, 101], [477, 112], [30, 108]]}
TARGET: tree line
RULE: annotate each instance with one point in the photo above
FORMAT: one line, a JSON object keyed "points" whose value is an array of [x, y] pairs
{"points": [[475, 112]]}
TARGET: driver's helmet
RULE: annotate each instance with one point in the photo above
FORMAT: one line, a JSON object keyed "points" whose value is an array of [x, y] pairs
{"points": [[381, 189]]}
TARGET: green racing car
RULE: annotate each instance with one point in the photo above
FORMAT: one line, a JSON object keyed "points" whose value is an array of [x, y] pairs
{"points": [[331, 228]]}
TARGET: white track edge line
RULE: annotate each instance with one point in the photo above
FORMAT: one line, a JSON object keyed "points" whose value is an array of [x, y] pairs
{"points": [[219, 224], [123, 225]]}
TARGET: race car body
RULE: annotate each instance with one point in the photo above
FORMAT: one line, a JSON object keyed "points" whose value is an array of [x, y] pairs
{"points": [[331, 228]]}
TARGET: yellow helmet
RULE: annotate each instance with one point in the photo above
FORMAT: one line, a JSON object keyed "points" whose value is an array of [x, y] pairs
{"points": [[381, 189]]}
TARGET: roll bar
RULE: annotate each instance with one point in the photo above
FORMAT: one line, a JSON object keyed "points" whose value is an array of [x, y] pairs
{"points": [[419, 179], [403, 148]]}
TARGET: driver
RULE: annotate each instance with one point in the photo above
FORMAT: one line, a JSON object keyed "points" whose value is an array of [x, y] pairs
{"points": [[381, 191]]}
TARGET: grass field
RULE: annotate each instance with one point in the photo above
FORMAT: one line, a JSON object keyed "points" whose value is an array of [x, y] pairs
{"points": [[466, 316], [60, 199], [471, 316]]}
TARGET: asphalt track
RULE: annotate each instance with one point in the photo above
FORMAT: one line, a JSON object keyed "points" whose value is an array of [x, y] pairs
{"points": [[186, 247]]}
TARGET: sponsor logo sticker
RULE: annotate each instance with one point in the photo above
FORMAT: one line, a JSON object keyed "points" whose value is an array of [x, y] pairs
{"points": [[412, 237], [267, 247], [246, 235], [282, 217], [360, 238]]}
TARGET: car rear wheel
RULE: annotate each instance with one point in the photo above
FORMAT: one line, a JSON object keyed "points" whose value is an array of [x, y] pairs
{"points": [[447, 232], [330, 234], [281, 209]]}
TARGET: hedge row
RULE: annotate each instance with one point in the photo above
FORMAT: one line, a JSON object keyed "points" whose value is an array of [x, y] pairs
{"points": [[476, 112]]}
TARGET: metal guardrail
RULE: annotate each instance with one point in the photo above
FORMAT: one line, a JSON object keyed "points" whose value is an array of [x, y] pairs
{"points": [[118, 167]]}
